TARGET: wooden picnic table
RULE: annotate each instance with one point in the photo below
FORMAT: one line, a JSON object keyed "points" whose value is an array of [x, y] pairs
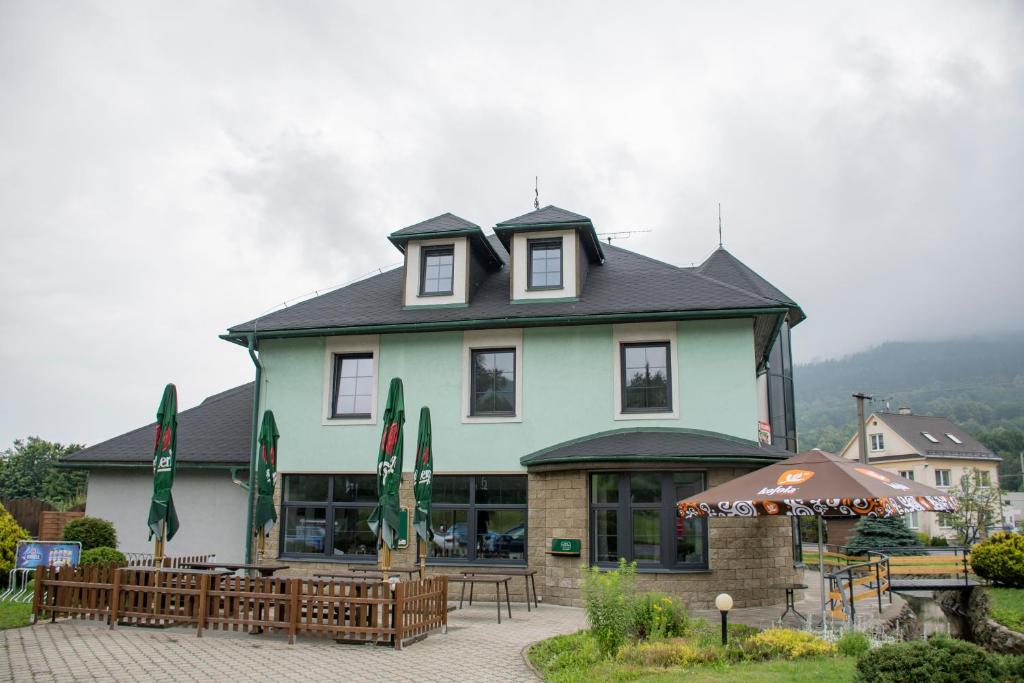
{"points": [[353, 576], [526, 572], [265, 570], [496, 579]]}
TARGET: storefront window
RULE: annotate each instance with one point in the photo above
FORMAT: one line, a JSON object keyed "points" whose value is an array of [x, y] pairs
{"points": [[326, 516], [633, 515], [479, 519]]}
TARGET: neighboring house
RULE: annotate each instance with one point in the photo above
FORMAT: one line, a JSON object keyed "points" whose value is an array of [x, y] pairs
{"points": [[1013, 509], [931, 450], [577, 390], [214, 441]]}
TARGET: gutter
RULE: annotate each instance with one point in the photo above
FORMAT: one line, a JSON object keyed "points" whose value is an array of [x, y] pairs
{"points": [[252, 456], [244, 485]]}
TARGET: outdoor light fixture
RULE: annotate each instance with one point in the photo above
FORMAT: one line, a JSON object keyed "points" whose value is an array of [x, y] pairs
{"points": [[724, 603]]}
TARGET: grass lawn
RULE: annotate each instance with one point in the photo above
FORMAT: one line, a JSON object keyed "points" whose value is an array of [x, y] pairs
{"points": [[13, 615], [1007, 607]]}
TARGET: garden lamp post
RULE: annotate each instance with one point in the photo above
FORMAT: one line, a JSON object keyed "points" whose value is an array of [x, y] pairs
{"points": [[724, 603]]}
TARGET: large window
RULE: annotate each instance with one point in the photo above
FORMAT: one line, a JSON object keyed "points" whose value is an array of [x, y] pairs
{"points": [[353, 385], [493, 390], [907, 474], [942, 478], [437, 272], [646, 378], [633, 515], [545, 264], [325, 516], [479, 519]]}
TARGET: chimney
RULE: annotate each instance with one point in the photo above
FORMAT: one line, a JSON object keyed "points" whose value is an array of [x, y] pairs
{"points": [[905, 411]]}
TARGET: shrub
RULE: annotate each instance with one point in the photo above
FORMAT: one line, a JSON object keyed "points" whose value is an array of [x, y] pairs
{"points": [[607, 598], [666, 653], [566, 654], [784, 643], [656, 615], [92, 532], [853, 644], [1000, 559], [10, 534], [938, 542], [104, 557], [938, 659]]}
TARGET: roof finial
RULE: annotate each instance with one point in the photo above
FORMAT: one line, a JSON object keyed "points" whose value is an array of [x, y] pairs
{"points": [[719, 225], [536, 194]]}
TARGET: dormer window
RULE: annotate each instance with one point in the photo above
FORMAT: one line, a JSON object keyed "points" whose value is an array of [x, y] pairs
{"points": [[545, 267], [437, 272]]}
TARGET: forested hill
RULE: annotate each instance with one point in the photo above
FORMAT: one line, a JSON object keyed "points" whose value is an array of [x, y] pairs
{"points": [[978, 383]]}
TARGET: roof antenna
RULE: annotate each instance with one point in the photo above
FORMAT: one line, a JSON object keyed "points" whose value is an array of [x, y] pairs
{"points": [[719, 225], [536, 194]]}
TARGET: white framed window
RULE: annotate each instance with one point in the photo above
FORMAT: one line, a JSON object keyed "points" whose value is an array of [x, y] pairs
{"points": [[350, 380], [984, 478], [912, 520], [907, 474], [928, 436], [953, 438], [942, 478], [877, 442], [646, 371], [492, 376], [544, 265], [436, 272], [945, 521]]}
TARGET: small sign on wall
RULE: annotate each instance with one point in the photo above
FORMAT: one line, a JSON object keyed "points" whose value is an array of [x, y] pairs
{"points": [[403, 529], [764, 432], [565, 546]]}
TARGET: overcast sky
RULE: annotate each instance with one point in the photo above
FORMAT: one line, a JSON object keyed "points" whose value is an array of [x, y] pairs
{"points": [[167, 170]]}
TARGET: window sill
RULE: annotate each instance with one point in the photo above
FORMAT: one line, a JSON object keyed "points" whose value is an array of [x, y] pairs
{"points": [[490, 419], [435, 562], [326, 558], [661, 570], [348, 421], [660, 415]]}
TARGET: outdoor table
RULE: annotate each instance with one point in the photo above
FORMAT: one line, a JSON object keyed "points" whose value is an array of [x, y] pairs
{"points": [[496, 579], [791, 589], [265, 570], [411, 572], [353, 576], [526, 572]]}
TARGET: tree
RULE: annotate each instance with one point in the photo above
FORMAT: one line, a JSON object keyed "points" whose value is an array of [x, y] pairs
{"points": [[883, 532], [979, 508], [29, 470]]}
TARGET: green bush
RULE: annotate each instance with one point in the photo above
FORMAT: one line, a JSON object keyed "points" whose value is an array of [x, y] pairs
{"points": [[938, 542], [10, 534], [785, 643], [104, 557], [853, 644], [1000, 559], [666, 653], [938, 659], [655, 616], [562, 656], [607, 599], [92, 532]]}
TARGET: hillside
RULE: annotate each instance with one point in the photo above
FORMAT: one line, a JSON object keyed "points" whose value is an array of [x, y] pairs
{"points": [[978, 383]]}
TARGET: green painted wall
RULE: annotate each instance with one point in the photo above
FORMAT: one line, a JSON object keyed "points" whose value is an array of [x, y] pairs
{"points": [[567, 393]]}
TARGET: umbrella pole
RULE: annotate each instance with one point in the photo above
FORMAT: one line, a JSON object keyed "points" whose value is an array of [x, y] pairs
{"points": [[421, 549], [821, 567], [261, 546], [158, 546]]}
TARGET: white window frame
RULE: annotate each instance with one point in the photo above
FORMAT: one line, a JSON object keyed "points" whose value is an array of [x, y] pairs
{"points": [[912, 520], [877, 441], [948, 477], [521, 265], [954, 438], [460, 270], [334, 346], [939, 516], [984, 478], [491, 339], [639, 333], [907, 474]]}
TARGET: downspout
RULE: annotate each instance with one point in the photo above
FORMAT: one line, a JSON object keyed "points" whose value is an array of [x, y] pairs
{"points": [[253, 450]]}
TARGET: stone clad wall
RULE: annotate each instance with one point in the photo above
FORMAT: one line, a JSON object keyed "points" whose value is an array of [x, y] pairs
{"points": [[747, 555]]}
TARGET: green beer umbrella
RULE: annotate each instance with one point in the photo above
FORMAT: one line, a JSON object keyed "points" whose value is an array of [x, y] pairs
{"points": [[266, 475], [423, 484], [163, 520], [386, 516]]}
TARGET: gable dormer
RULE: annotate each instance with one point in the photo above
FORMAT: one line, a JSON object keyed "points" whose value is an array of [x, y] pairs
{"points": [[551, 252], [446, 259]]}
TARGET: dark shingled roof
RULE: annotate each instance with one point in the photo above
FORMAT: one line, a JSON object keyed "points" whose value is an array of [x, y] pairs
{"points": [[909, 427], [445, 223], [548, 215], [655, 443], [553, 217], [725, 267], [218, 430], [448, 225]]}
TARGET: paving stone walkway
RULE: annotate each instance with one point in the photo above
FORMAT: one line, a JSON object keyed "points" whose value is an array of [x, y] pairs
{"points": [[475, 648]]}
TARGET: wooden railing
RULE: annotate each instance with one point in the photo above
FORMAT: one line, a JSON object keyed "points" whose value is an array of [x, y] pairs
{"points": [[362, 611], [855, 583], [176, 561]]}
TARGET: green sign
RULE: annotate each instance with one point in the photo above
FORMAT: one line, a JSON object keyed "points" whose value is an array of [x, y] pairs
{"points": [[565, 546], [403, 529]]}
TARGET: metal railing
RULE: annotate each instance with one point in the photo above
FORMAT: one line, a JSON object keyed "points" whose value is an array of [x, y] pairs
{"points": [[862, 580]]}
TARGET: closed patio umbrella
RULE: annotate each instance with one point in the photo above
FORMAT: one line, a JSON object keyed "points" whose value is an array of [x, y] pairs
{"points": [[266, 476], [163, 520], [386, 517], [816, 483], [423, 487]]}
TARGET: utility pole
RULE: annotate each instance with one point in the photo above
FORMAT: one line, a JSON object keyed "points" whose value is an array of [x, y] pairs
{"points": [[862, 436]]}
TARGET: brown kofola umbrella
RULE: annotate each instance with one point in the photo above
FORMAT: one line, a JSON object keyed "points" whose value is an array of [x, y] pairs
{"points": [[816, 483]]}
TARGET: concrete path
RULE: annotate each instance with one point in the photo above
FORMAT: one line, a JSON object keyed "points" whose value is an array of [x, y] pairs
{"points": [[476, 648]]}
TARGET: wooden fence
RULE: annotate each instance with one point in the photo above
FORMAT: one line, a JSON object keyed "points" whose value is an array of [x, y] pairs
{"points": [[51, 523], [26, 512], [360, 611]]}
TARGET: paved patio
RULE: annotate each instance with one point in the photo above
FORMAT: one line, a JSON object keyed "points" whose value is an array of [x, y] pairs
{"points": [[476, 648]]}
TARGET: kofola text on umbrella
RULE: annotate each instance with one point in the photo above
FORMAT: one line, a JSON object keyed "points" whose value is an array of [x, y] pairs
{"points": [[787, 482]]}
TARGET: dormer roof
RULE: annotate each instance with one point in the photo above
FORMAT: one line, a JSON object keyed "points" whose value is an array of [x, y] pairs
{"points": [[449, 225], [553, 218]]}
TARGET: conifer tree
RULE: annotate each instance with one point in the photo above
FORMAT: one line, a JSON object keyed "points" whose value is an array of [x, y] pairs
{"points": [[883, 532]]}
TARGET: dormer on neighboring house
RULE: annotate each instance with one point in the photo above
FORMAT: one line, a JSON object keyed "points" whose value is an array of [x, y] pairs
{"points": [[552, 251], [446, 260]]}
